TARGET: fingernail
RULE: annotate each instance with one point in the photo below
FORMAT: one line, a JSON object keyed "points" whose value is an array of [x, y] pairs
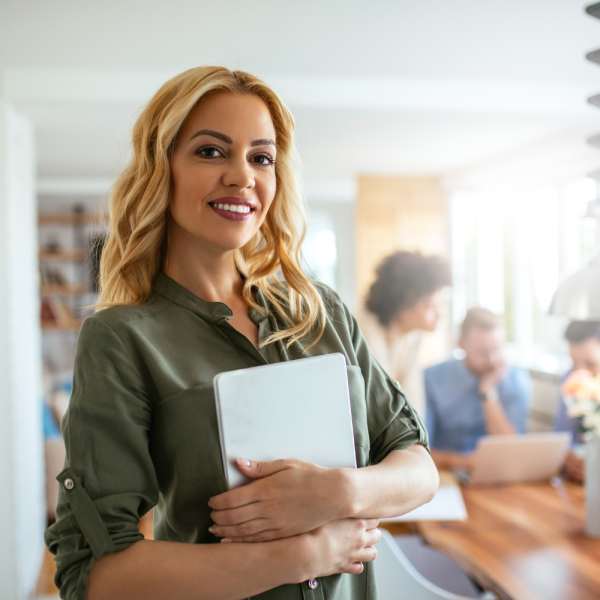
{"points": [[243, 462], [226, 541], [211, 529]]}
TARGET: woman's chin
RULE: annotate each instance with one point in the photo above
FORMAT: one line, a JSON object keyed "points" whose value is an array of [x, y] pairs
{"points": [[229, 244]]}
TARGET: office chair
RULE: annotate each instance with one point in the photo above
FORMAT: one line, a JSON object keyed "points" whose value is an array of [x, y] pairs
{"points": [[397, 579]]}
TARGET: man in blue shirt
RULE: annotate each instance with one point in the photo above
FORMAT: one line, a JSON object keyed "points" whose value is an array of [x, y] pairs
{"points": [[476, 396], [584, 347]]}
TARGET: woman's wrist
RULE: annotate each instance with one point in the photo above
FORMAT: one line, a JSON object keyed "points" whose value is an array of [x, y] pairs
{"points": [[296, 557], [349, 505]]}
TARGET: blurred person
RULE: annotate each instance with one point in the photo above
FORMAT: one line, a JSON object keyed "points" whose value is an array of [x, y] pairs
{"points": [[405, 300], [583, 338], [476, 396], [202, 220]]}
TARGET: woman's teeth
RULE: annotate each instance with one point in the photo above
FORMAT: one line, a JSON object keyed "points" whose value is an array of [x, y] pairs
{"points": [[234, 208]]}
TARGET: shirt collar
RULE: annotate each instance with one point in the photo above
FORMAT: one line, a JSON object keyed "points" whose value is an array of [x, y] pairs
{"points": [[168, 288]]}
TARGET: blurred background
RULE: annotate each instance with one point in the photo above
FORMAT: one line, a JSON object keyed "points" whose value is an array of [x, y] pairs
{"points": [[453, 128]]}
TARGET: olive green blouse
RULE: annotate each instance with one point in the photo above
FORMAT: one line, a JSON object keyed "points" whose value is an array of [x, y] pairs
{"points": [[141, 430]]}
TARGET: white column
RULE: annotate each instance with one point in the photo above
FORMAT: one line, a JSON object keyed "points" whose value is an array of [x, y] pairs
{"points": [[22, 505]]}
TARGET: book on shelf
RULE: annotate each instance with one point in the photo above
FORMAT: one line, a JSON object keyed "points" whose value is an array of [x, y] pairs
{"points": [[51, 276], [47, 313], [56, 311]]}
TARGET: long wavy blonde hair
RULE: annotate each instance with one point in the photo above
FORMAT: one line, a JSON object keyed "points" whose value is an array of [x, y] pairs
{"points": [[134, 251]]}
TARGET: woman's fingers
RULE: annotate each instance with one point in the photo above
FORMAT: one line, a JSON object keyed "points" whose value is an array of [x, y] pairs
{"points": [[373, 536], [243, 530], [241, 496], [371, 523], [258, 469], [367, 554], [355, 568], [237, 516], [263, 536]]}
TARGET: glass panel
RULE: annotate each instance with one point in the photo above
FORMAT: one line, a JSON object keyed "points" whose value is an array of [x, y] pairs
{"points": [[320, 248]]}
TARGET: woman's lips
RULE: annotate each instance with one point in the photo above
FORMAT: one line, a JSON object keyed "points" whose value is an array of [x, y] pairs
{"points": [[234, 209]]}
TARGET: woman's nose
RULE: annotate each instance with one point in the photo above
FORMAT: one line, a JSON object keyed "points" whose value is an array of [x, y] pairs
{"points": [[239, 174]]}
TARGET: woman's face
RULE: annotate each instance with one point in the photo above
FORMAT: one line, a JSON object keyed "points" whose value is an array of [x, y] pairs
{"points": [[424, 314], [223, 170]]}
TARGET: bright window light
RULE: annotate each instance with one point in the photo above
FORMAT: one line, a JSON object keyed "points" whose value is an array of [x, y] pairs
{"points": [[509, 254], [325, 251]]}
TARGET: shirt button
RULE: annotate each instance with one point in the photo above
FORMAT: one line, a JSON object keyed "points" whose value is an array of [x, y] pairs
{"points": [[69, 484], [313, 584]]}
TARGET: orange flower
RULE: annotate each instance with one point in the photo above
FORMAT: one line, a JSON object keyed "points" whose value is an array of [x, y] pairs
{"points": [[576, 382]]}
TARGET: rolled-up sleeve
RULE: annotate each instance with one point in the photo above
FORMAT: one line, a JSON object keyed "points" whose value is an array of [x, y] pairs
{"points": [[109, 480], [393, 422]]}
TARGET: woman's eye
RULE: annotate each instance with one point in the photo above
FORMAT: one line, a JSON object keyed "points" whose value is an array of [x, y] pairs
{"points": [[263, 159], [209, 152]]}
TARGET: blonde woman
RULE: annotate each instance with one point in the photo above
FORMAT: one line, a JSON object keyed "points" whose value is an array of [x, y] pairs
{"points": [[202, 221]]}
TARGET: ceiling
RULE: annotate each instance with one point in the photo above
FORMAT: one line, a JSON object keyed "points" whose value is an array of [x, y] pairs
{"points": [[396, 87]]}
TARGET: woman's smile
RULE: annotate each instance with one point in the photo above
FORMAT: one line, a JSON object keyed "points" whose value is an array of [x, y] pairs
{"points": [[234, 209]]}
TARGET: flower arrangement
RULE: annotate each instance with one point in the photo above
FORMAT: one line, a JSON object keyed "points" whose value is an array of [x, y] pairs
{"points": [[581, 392]]}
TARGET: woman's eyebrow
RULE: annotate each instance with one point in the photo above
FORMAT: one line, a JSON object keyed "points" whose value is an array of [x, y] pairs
{"points": [[263, 142], [228, 140], [215, 134]]}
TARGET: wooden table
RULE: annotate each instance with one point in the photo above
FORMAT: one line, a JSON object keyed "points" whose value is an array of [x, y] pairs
{"points": [[524, 542]]}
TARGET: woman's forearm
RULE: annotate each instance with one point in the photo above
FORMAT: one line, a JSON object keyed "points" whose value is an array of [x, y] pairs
{"points": [[151, 570], [404, 480]]}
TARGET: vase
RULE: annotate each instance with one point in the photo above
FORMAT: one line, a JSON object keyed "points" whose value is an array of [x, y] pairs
{"points": [[592, 487]]}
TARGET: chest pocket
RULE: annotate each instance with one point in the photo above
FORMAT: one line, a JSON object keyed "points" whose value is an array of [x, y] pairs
{"points": [[358, 403], [189, 434]]}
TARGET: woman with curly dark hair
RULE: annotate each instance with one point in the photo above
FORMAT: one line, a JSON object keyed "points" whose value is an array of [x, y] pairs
{"points": [[405, 299]]}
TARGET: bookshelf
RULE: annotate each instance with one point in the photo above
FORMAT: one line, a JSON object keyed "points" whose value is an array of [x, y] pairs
{"points": [[63, 289], [75, 325], [67, 267], [70, 219], [76, 254]]}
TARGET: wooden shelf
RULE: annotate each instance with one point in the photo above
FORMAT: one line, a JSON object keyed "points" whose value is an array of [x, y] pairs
{"points": [[73, 326], [64, 290], [63, 255], [72, 219]]}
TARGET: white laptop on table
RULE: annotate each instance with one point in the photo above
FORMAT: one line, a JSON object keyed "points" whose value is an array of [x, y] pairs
{"points": [[297, 409], [517, 458]]}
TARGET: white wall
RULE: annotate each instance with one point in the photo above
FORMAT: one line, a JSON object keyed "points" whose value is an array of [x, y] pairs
{"points": [[22, 505]]}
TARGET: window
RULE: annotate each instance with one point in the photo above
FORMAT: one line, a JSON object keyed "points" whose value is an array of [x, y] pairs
{"points": [[510, 252]]}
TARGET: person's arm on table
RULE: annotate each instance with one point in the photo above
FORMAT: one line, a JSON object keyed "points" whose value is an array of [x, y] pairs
{"points": [[151, 570], [496, 420], [453, 460]]}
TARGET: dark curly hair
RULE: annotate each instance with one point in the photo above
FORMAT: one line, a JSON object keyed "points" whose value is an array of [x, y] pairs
{"points": [[403, 278]]}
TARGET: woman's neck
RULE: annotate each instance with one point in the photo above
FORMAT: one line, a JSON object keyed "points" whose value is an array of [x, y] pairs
{"points": [[402, 325], [210, 274]]}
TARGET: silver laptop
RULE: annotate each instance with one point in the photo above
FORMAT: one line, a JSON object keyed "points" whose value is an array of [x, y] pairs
{"points": [[296, 409], [517, 458]]}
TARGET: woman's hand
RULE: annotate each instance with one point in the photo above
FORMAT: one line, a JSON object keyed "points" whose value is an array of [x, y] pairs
{"points": [[341, 546], [289, 497]]}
